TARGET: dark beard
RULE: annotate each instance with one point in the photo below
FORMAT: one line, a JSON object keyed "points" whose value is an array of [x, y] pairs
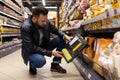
{"points": [[38, 25]]}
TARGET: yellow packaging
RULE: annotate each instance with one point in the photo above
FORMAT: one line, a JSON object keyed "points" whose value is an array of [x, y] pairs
{"points": [[104, 23], [76, 47], [66, 54], [96, 7], [98, 68], [116, 4], [92, 2], [118, 19], [101, 44], [89, 51], [109, 22], [98, 12], [99, 25]]}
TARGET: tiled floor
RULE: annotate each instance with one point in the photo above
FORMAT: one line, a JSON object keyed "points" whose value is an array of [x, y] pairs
{"points": [[12, 68]]}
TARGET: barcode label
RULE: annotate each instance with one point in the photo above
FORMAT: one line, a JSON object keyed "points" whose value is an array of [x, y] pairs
{"points": [[74, 40]]}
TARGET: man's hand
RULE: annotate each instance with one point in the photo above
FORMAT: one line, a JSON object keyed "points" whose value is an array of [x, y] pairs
{"points": [[68, 38], [56, 53]]}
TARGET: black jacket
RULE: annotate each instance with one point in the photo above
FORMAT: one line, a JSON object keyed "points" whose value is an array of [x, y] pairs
{"points": [[30, 39]]}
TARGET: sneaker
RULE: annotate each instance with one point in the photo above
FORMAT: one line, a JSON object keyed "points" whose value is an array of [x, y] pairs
{"points": [[32, 70], [57, 68]]}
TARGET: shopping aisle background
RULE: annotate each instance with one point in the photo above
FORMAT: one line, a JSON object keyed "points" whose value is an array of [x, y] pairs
{"points": [[12, 68]]}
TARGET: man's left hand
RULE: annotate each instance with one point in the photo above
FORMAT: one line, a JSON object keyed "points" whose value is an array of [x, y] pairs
{"points": [[68, 38]]}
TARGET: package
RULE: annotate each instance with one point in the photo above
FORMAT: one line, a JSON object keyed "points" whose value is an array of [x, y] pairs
{"points": [[116, 37], [102, 45], [89, 50], [116, 4], [98, 68], [116, 59], [73, 48]]}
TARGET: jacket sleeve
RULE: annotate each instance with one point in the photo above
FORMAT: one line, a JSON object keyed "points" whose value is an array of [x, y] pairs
{"points": [[54, 30], [29, 44]]}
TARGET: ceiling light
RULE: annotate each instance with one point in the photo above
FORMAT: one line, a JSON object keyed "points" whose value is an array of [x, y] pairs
{"points": [[43, 1], [51, 7], [47, 7]]}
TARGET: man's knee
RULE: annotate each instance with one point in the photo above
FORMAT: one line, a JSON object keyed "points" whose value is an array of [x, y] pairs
{"points": [[37, 61], [60, 40], [40, 62]]}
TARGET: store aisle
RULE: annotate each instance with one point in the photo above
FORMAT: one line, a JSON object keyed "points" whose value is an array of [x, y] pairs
{"points": [[12, 68]]}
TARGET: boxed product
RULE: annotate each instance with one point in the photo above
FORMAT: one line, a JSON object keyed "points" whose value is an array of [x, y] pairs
{"points": [[100, 45], [98, 68], [89, 51], [73, 48]]}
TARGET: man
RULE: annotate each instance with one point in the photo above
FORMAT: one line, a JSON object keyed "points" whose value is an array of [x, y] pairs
{"points": [[36, 42]]}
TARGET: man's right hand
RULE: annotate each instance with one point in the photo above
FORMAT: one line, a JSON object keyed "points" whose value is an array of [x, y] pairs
{"points": [[56, 53]]}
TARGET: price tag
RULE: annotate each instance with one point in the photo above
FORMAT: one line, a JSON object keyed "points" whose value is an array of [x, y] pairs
{"points": [[4, 49], [83, 70], [89, 76], [9, 47]]}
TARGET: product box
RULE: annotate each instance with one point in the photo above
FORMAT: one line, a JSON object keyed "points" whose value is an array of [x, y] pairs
{"points": [[73, 48], [89, 51]]}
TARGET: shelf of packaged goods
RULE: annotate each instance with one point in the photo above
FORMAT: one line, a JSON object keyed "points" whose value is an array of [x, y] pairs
{"points": [[100, 17], [77, 26], [86, 70], [6, 4], [16, 2], [114, 12], [9, 25], [10, 16], [70, 11], [117, 11], [9, 49], [69, 5], [110, 13], [10, 35], [108, 30]]}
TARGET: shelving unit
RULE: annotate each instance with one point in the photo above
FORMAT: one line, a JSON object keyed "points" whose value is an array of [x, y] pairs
{"points": [[10, 16], [110, 30], [103, 25], [9, 25], [77, 26], [10, 22], [10, 35], [86, 70], [9, 6], [7, 49]]}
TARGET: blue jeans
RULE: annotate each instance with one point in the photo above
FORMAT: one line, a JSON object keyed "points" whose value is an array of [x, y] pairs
{"points": [[38, 60]]}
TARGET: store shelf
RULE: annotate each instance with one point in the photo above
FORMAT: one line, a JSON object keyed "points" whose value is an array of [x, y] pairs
{"points": [[5, 50], [87, 72], [16, 2], [100, 17], [109, 30], [73, 28], [9, 25], [71, 11], [110, 13], [117, 11], [10, 35], [6, 4], [10, 16], [69, 5]]}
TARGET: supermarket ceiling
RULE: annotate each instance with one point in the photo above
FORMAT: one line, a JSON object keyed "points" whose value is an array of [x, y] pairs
{"points": [[50, 4]]}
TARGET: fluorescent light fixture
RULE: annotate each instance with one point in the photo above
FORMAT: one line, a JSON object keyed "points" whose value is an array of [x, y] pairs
{"points": [[47, 7], [51, 7], [43, 1]]}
